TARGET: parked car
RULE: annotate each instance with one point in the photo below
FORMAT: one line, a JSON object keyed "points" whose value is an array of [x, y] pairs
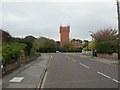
{"points": [[57, 51]]}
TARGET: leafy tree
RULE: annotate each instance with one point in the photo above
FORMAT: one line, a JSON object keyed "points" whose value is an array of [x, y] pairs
{"points": [[57, 45], [73, 40], [78, 40], [86, 48], [106, 40], [105, 35], [18, 40], [91, 45], [6, 37], [68, 46], [85, 43], [43, 44], [0, 52], [10, 52], [28, 40]]}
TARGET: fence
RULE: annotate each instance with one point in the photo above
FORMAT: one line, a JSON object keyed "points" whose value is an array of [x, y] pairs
{"points": [[17, 63], [111, 56], [103, 55]]}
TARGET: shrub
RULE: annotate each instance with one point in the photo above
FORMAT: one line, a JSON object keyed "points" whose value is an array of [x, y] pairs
{"points": [[10, 52], [0, 52], [32, 51], [86, 48], [107, 47]]}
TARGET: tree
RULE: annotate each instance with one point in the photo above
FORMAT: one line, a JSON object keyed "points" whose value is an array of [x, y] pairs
{"points": [[43, 44], [28, 40], [106, 40], [91, 45], [86, 48], [68, 45], [57, 45], [85, 43], [6, 37], [17, 40], [78, 40], [105, 35]]}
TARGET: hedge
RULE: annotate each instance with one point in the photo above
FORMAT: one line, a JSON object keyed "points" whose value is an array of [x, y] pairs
{"points": [[10, 52], [107, 47]]}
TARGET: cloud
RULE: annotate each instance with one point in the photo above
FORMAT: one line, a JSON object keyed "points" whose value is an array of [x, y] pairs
{"points": [[44, 18], [58, 0]]}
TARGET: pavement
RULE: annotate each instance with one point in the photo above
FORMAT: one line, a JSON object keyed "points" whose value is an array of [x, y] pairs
{"points": [[72, 71], [27, 76]]}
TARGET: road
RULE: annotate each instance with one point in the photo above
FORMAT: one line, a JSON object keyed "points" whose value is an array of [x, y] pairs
{"points": [[68, 71]]}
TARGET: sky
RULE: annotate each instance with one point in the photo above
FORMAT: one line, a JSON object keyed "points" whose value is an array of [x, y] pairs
{"points": [[43, 18]]}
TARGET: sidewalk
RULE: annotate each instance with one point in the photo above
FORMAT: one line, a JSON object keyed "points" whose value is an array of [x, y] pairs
{"points": [[31, 74]]}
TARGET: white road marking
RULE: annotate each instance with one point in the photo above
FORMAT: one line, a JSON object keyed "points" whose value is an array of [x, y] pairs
{"points": [[84, 65], [67, 57], [17, 79], [115, 80], [104, 75], [108, 77], [74, 60], [28, 65], [51, 56], [43, 83]]}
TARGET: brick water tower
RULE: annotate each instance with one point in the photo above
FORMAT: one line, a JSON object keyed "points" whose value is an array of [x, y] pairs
{"points": [[64, 35]]}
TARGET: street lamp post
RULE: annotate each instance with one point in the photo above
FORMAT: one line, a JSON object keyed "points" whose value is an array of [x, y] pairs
{"points": [[118, 11]]}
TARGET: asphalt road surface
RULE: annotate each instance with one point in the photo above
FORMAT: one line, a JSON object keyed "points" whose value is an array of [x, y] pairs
{"points": [[68, 71]]}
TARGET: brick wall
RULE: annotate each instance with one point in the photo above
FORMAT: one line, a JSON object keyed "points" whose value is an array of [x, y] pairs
{"points": [[110, 56], [64, 35]]}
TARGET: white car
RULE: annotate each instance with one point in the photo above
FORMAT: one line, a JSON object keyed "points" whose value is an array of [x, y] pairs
{"points": [[57, 51]]}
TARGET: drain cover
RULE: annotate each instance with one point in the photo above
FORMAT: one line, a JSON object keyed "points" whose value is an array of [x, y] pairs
{"points": [[17, 79]]}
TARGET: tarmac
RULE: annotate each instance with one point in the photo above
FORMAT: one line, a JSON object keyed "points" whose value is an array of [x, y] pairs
{"points": [[99, 59]]}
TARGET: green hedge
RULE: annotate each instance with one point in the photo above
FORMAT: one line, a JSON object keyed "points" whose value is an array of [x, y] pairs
{"points": [[0, 52], [107, 47], [10, 52]]}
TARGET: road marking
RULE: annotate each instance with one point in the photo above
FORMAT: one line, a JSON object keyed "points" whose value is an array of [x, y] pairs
{"points": [[104, 75], [67, 57], [27, 65], [108, 77], [99, 61], [51, 57], [84, 65], [42, 86], [17, 79], [74, 60], [115, 80]]}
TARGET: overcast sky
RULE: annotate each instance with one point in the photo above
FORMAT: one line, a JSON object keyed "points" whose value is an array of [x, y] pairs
{"points": [[44, 18]]}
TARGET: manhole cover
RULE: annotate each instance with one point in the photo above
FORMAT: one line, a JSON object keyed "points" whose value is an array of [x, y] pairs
{"points": [[17, 79]]}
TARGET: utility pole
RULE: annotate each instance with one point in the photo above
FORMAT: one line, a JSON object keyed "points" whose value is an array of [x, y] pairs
{"points": [[118, 11]]}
